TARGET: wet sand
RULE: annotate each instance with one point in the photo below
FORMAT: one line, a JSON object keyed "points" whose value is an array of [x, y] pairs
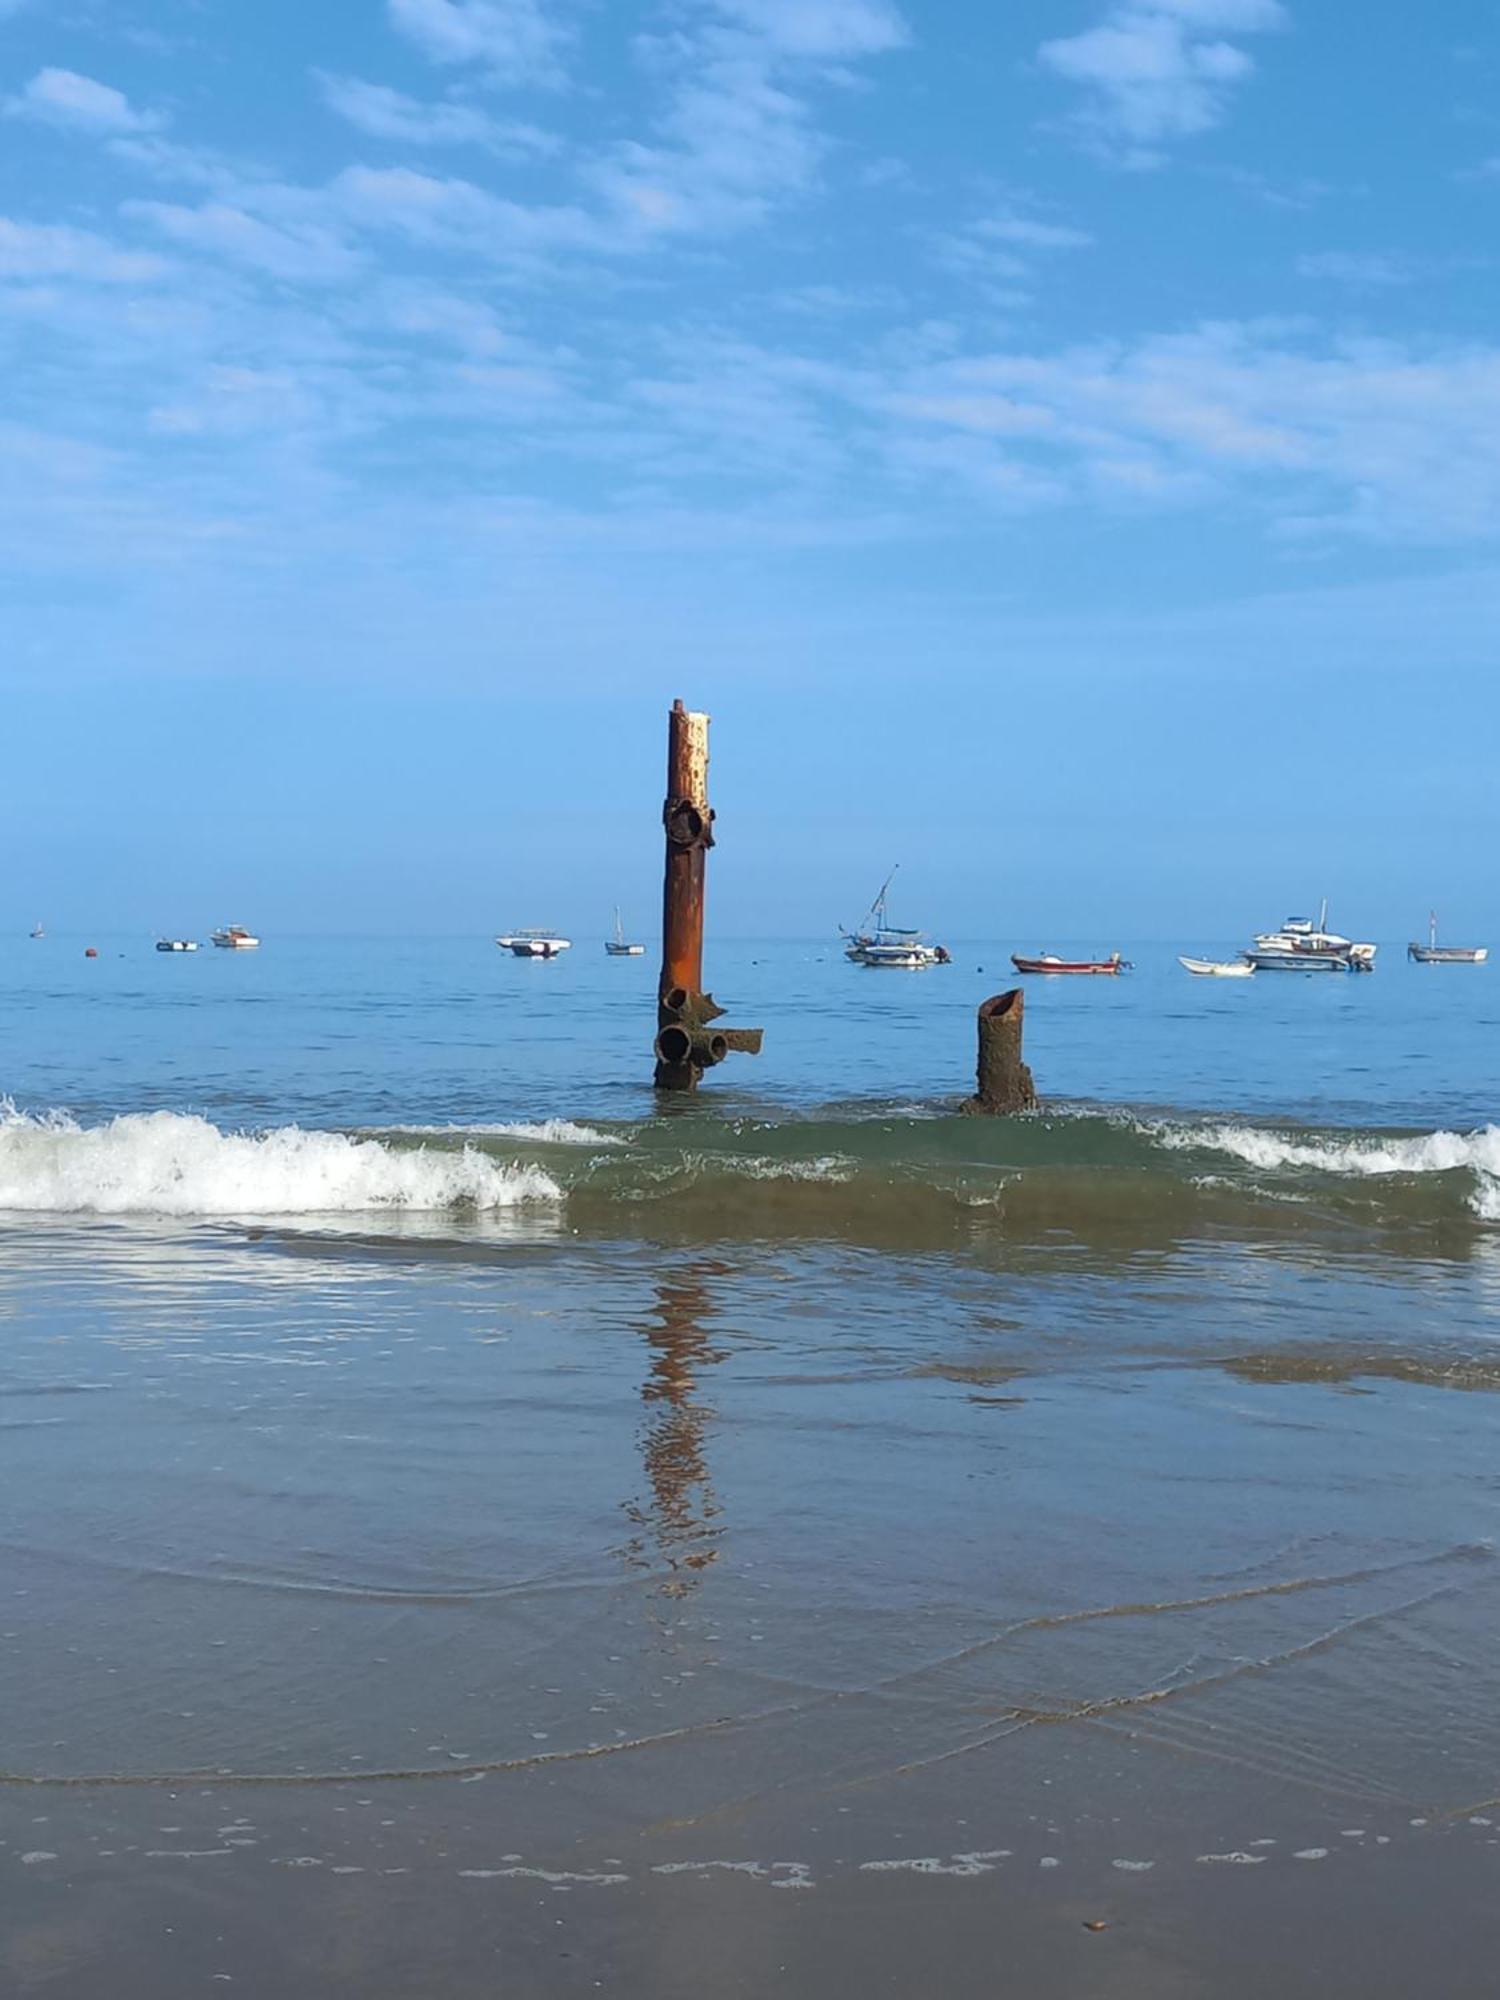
{"points": [[397, 1617], [394, 1894]]}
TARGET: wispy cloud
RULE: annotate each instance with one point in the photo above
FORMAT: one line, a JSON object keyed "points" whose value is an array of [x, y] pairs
{"points": [[737, 134], [300, 253], [511, 41], [1158, 70], [383, 113], [1364, 270], [64, 98], [820, 29], [54, 250], [999, 252]]}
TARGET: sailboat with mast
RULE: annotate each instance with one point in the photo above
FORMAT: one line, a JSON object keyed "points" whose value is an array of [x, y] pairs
{"points": [[1433, 953], [619, 945], [879, 942]]}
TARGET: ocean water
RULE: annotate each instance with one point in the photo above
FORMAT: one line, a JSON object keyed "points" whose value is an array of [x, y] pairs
{"points": [[439, 1477]]}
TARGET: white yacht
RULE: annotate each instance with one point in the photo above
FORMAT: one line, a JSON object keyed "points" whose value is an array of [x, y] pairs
{"points": [[534, 944], [234, 937], [1304, 946]]}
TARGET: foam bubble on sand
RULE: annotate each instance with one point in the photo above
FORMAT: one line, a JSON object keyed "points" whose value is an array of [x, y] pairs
{"points": [[556, 1877], [162, 1163], [1236, 1858]]}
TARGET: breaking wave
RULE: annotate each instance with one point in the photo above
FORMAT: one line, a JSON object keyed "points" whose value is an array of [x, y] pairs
{"points": [[924, 1178], [545, 1132], [162, 1163], [1356, 1156]]}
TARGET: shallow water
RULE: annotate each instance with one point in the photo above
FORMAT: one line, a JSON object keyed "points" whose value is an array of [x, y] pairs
{"points": [[797, 1493]]}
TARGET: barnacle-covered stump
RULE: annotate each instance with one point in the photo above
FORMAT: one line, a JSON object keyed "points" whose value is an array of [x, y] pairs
{"points": [[1004, 1080]]}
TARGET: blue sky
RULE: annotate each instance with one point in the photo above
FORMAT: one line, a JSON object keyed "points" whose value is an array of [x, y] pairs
{"points": [[1059, 442]]}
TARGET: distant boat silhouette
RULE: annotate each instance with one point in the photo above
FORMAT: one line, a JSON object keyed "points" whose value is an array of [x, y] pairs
{"points": [[617, 947]]}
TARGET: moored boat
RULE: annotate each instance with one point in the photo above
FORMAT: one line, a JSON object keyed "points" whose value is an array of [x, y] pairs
{"points": [[879, 943], [534, 944], [618, 946], [1433, 953], [234, 937], [176, 944], [1048, 961], [1217, 968], [1304, 946]]}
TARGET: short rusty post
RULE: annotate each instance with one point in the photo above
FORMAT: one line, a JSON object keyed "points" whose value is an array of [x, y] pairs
{"points": [[686, 1042], [1004, 1080]]}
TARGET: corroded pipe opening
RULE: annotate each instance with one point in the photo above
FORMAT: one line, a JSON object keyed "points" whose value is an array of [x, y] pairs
{"points": [[674, 1044], [1003, 1005], [678, 1044]]}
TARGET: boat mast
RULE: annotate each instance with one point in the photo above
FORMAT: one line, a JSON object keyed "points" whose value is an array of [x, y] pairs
{"points": [[877, 908]]}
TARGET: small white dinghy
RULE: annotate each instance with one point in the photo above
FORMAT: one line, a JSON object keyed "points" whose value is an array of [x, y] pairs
{"points": [[1218, 968]]}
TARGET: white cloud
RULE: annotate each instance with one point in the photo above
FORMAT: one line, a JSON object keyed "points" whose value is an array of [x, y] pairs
{"points": [[456, 214], [1032, 234], [53, 250], [831, 29], [997, 251], [296, 252], [1157, 70], [383, 113], [514, 41], [737, 134], [1381, 439], [62, 97], [1364, 269]]}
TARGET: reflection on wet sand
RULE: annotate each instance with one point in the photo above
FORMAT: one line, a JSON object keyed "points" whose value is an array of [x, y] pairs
{"points": [[682, 1513]]}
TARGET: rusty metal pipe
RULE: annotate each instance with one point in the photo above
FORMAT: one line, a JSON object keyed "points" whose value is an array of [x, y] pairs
{"points": [[677, 1044]]}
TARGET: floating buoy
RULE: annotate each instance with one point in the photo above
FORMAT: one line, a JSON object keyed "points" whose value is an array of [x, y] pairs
{"points": [[90, 952]]}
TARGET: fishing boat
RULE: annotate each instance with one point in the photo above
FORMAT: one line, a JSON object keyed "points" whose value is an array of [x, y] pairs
{"points": [[618, 947], [176, 944], [1304, 946], [879, 943], [534, 944], [1048, 961], [1217, 968], [234, 937], [1433, 953]]}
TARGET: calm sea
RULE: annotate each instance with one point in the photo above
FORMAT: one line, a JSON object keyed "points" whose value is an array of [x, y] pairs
{"points": [[439, 1478]]}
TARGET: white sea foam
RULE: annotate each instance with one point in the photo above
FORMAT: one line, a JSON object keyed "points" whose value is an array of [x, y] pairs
{"points": [[161, 1163], [546, 1132], [1477, 1153]]}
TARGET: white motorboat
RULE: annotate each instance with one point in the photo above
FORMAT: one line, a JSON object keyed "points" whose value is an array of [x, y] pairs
{"points": [[879, 943], [1304, 946], [534, 944], [176, 944], [1218, 968], [234, 937], [1433, 953], [619, 946]]}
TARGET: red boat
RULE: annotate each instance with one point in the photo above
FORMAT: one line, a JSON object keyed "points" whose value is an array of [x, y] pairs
{"points": [[1049, 962]]}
